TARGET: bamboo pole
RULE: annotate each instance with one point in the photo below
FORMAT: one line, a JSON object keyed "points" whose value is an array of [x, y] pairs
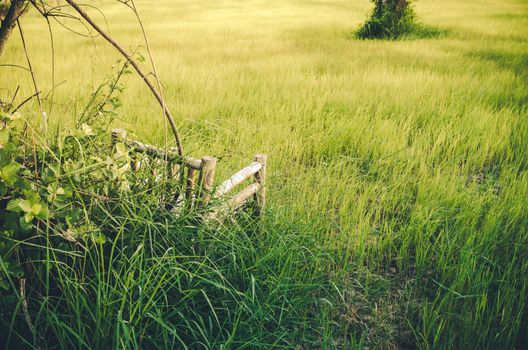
{"points": [[238, 178], [174, 170], [191, 172], [234, 202], [176, 174], [260, 178], [170, 154], [206, 180], [136, 165], [242, 196]]}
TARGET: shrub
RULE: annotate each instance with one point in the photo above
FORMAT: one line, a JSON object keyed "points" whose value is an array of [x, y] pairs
{"points": [[390, 19]]}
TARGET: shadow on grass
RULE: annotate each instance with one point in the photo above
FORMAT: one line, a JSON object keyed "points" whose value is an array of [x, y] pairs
{"points": [[417, 32], [517, 63], [423, 31]]}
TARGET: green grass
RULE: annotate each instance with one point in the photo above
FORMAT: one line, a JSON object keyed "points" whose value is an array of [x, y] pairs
{"points": [[404, 163]]}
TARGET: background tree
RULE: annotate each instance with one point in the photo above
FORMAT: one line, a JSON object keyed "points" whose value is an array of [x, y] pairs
{"points": [[390, 19]]}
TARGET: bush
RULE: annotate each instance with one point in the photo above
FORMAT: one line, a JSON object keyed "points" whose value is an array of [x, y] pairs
{"points": [[390, 19]]}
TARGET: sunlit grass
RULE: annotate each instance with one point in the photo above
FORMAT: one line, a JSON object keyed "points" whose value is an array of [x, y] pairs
{"points": [[407, 157]]}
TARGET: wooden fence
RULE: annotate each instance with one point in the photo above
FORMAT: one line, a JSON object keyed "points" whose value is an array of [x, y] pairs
{"points": [[199, 188]]}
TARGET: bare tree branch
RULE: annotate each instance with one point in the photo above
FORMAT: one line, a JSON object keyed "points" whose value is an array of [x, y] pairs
{"points": [[25, 101], [134, 64], [8, 23], [34, 79]]}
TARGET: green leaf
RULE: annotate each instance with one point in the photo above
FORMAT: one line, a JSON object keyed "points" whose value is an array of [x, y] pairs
{"points": [[68, 192], [121, 149], [73, 217], [9, 173], [43, 213], [3, 284], [36, 208], [32, 196], [14, 205], [98, 237], [4, 137], [87, 130], [28, 217], [25, 205], [55, 193], [24, 225]]}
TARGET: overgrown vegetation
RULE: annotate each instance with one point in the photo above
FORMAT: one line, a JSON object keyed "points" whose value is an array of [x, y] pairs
{"points": [[390, 19], [92, 257]]}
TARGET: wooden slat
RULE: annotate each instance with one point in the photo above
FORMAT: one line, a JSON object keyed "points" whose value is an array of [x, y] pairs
{"points": [[171, 154], [239, 199], [206, 180], [174, 170], [238, 178], [220, 212], [190, 186], [260, 177]]}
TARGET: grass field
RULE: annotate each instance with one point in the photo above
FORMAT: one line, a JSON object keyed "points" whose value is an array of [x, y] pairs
{"points": [[405, 162]]}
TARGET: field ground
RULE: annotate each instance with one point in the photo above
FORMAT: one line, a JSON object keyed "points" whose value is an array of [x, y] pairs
{"points": [[406, 160]]}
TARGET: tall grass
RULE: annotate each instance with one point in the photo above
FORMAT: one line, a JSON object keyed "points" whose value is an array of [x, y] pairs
{"points": [[398, 166], [162, 283]]}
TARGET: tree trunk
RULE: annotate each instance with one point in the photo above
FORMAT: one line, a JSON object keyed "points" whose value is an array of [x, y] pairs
{"points": [[8, 23], [397, 7], [400, 7]]}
